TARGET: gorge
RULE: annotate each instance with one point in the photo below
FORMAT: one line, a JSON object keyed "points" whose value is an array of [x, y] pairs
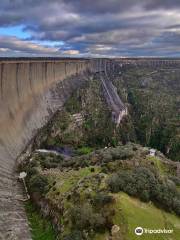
{"points": [[33, 90]]}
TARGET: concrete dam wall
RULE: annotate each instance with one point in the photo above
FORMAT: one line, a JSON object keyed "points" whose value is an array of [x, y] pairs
{"points": [[22, 88], [31, 91]]}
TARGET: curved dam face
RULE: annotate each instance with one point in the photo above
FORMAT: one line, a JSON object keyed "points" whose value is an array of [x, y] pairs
{"points": [[23, 106], [30, 92]]}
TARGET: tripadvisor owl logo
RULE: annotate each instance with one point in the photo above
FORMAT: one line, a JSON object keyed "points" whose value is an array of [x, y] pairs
{"points": [[139, 231]]}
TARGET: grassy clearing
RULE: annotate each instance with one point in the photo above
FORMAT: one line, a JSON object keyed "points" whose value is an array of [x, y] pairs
{"points": [[101, 236], [131, 213], [41, 229], [84, 150], [162, 167], [158, 164], [66, 180]]}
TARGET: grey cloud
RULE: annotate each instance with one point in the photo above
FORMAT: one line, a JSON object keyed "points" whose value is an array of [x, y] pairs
{"points": [[15, 46], [13, 43], [98, 27], [163, 4]]}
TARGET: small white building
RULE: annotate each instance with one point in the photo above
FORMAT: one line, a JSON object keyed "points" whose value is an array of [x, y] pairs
{"points": [[152, 152]]}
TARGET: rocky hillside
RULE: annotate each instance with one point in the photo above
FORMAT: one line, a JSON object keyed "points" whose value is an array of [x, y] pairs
{"points": [[92, 178], [83, 195], [153, 98], [86, 121]]}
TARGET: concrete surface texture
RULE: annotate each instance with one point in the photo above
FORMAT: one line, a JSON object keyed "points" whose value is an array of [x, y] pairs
{"points": [[30, 92]]}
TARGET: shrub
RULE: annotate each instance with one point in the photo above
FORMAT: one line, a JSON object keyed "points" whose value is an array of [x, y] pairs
{"points": [[113, 183], [51, 161], [84, 163], [84, 218], [98, 222], [92, 169], [101, 199], [32, 171], [121, 181], [145, 196], [121, 153], [38, 183], [176, 206], [84, 150], [107, 157], [74, 235], [175, 179], [104, 169], [81, 216], [147, 186], [167, 191], [144, 182]]}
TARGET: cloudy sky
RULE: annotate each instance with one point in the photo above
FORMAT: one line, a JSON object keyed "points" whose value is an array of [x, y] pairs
{"points": [[90, 28]]}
